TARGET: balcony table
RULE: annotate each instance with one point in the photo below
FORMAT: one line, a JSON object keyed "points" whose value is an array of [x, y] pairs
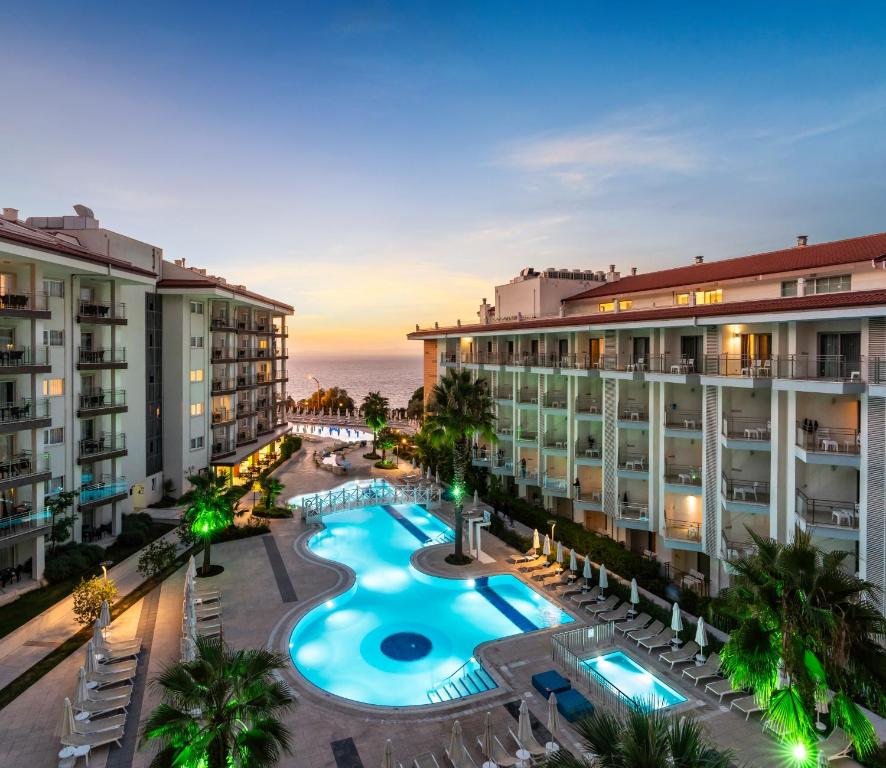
{"points": [[827, 443], [839, 515], [743, 491], [689, 424], [752, 433]]}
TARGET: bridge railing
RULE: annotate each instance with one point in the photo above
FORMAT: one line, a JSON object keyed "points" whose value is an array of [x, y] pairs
{"points": [[314, 507]]}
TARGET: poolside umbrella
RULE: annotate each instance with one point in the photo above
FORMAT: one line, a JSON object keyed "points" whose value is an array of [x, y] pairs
{"points": [[387, 760], [573, 561], [437, 476], [98, 639], [66, 724], [553, 723], [524, 727], [456, 744], [546, 549], [535, 542], [82, 693], [587, 572], [191, 572], [91, 665], [701, 639], [413, 458], [635, 598], [604, 583], [560, 552], [676, 624], [488, 742], [104, 615], [188, 649]]}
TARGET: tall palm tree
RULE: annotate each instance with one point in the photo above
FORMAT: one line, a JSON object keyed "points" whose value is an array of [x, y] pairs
{"points": [[209, 512], [808, 627], [642, 739], [375, 410], [458, 409], [220, 710], [271, 490]]}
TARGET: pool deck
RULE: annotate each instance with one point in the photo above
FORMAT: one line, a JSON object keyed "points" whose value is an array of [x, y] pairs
{"points": [[266, 584]]}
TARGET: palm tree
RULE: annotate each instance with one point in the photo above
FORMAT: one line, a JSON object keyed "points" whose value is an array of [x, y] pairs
{"points": [[210, 511], [272, 488], [807, 628], [375, 409], [220, 710], [458, 409], [642, 739]]}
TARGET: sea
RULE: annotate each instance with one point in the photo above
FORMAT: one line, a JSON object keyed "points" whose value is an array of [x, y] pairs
{"points": [[396, 377]]}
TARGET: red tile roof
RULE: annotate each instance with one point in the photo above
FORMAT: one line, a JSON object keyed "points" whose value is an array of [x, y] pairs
{"points": [[757, 306], [815, 256]]}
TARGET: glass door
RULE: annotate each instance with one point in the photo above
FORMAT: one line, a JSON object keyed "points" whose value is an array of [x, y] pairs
{"points": [[690, 350]]}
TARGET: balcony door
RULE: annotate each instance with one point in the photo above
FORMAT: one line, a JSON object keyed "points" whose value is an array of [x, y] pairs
{"points": [[838, 355], [640, 348], [595, 350], [7, 392], [755, 346], [7, 283], [7, 338], [690, 349]]}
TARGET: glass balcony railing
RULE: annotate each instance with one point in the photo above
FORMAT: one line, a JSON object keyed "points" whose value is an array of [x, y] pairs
{"points": [[101, 310], [25, 409], [103, 489], [97, 399], [14, 525], [97, 446]]}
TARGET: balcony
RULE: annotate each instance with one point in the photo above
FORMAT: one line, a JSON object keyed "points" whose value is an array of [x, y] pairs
{"points": [[24, 523], [23, 469], [590, 499], [588, 408], [281, 333], [632, 514], [556, 401], [686, 531], [24, 414], [527, 436], [504, 432], [826, 367], [633, 416], [19, 304], [244, 324], [222, 416], [750, 433], [223, 386], [633, 465], [245, 381], [556, 444], [502, 466], [24, 360], [245, 354], [503, 393], [624, 367], [481, 456], [555, 485], [105, 491], [101, 401], [221, 323], [101, 313], [744, 495], [682, 478], [683, 424], [102, 358], [223, 354], [108, 446], [833, 446], [223, 447], [245, 409], [527, 397], [526, 477], [675, 368], [587, 453], [263, 326], [834, 519], [263, 427], [245, 436]]}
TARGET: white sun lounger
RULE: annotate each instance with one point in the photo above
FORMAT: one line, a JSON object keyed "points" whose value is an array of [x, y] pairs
{"points": [[660, 640], [644, 634], [679, 655], [835, 746], [747, 705], [120, 646], [460, 761], [710, 668], [112, 655], [425, 760], [94, 740], [531, 746], [545, 573], [607, 605], [88, 727], [533, 565], [528, 555], [115, 668], [102, 706], [616, 615], [722, 688], [633, 624], [500, 755], [583, 598], [103, 680]]}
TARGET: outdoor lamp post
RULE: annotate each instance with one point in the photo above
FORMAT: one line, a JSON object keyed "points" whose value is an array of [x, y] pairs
{"points": [[553, 524]]}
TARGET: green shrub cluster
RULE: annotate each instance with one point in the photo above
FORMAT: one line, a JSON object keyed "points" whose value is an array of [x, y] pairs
{"points": [[290, 444], [273, 512], [135, 531], [71, 560]]}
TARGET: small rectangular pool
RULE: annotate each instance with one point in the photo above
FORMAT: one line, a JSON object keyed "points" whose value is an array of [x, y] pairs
{"points": [[622, 674]]}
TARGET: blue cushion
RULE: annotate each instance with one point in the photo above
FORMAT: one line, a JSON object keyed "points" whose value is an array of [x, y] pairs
{"points": [[573, 705], [550, 682]]}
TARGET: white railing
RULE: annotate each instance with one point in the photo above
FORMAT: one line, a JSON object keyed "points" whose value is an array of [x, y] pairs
{"points": [[320, 504]]}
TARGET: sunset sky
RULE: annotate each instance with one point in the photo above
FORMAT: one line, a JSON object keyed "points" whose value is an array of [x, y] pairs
{"points": [[382, 164]]}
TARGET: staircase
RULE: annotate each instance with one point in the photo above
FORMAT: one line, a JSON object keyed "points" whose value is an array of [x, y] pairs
{"points": [[446, 537], [468, 679]]}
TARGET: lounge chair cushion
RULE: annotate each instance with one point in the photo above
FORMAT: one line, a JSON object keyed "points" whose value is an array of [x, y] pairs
{"points": [[550, 682], [573, 705]]}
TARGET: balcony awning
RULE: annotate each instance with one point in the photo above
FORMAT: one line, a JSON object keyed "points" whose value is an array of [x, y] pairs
{"points": [[244, 451]]}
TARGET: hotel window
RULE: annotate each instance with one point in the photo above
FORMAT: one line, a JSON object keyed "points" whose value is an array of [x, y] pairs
{"points": [[788, 287], [197, 342], [196, 409], [681, 299], [53, 387], [625, 304], [54, 485], [55, 288], [263, 344], [196, 442], [7, 283], [196, 375], [196, 307], [607, 306], [709, 297], [832, 284], [53, 338], [54, 436]]}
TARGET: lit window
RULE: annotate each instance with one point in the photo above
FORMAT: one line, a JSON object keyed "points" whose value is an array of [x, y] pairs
{"points": [[681, 299], [832, 284], [607, 306], [196, 375], [789, 288], [196, 409], [709, 297], [625, 304], [53, 387], [196, 307], [54, 436]]}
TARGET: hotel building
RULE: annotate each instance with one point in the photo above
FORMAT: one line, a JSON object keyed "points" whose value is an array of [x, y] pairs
{"points": [[676, 410], [117, 374]]}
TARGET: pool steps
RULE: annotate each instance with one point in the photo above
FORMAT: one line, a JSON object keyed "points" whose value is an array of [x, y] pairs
{"points": [[467, 680]]}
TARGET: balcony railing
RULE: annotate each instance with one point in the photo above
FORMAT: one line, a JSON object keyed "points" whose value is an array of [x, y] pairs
{"points": [[245, 436], [626, 363], [246, 381], [243, 324], [829, 367], [557, 442], [244, 353], [737, 365], [98, 399], [526, 476], [500, 462], [221, 323], [222, 385], [587, 405], [263, 427], [591, 495], [24, 410], [223, 353], [676, 364], [818, 439], [634, 462], [101, 356], [556, 400], [22, 523], [683, 530], [632, 413], [827, 512], [223, 447], [101, 310], [22, 356], [745, 490], [18, 301], [690, 420], [103, 489], [245, 409], [527, 435], [23, 464], [97, 446], [630, 510], [588, 449], [554, 482], [747, 428], [222, 415], [503, 393], [504, 428], [682, 474]]}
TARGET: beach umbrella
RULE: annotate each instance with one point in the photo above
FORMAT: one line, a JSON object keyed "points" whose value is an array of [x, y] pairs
{"points": [[524, 727], [437, 476], [560, 552], [91, 663], [387, 760], [82, 694], [456, 744], [604, 583], [104, 615], [546, 549], [66, 724], [189, 629], [535, 541], [587, 572], [476, 500], [635, 597], [573, 561], [488, 742], [701, 639], [98, 639], [192, 568], [676, 624], [553, 723], [188, 649]]}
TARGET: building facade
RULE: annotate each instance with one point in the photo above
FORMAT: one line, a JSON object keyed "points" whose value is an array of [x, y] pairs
{"points": [[96, 368], [677, 410]]}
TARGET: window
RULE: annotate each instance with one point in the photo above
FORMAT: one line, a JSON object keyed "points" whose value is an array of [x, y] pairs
{"points": [[681, 299], [196, 307], [607, 306], [54, 288], [196, 442], [832, 284], [789, 288], [54, 436], [54, 485], [53, 387], [625, 304], [53, 338], [197, 342], [709, 297], [196, 409], [196, 375]]}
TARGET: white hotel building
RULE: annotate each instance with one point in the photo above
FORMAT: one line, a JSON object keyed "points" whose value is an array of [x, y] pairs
{"points": [[675, 410], [118, 371]]}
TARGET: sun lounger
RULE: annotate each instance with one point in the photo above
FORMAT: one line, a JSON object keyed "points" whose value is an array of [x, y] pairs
{"points": [[554, 580], [107, 693], [101, 724], [531, 745], [835, 746], [586, 598], [632, 624], [660, 640], [643, 634], [116, 667], [746, 704], [94, 740], [573, 705], [616, 615], [212, 611], [607, 605], [679, 655], [105, 679], [554, 570], [460, 761], [539, 562], [110, 655], [711, 668], [499, 754], [119, 646], [722, 688], [528, 555], [102, 706], [425, 760]]}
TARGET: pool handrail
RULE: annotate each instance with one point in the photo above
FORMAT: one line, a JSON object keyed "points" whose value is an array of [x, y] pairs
{"points": [[319, 504]]}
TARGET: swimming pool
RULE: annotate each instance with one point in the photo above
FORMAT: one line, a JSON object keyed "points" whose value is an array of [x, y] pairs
{"points": [[626, 676], [398, 633]]}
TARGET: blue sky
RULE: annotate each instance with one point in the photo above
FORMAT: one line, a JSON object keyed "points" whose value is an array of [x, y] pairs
{"points": [[384, 164]]}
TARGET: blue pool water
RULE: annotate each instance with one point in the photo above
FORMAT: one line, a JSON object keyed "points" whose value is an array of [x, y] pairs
{"points": [[398, 632], [624, 674]]}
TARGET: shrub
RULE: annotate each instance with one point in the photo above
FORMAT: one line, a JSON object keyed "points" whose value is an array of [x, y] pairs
{"points": [[273, 512], [88, 596], [290, 444], [234, 532], [385, 464], [156, 557], [71, 560], [133, 537]]}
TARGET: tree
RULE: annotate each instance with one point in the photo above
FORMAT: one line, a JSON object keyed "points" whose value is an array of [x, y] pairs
{"points": [[156, 558], [807, 628], [642, 739], [459, 408], [332, 400], [375, 409], [210, 511], [271, 489], [61, 521], [88, 596], [386, 440], [220, 710], [415, 408]]}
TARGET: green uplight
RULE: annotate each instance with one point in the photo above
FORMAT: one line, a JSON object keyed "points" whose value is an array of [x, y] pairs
{"points": [[800, 752], [457, 493]]}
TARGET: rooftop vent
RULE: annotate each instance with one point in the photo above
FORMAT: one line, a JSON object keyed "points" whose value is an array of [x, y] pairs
{"points": [[633, 270], [699, 259], [802, 240], [179, 262], [10, 214]]}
